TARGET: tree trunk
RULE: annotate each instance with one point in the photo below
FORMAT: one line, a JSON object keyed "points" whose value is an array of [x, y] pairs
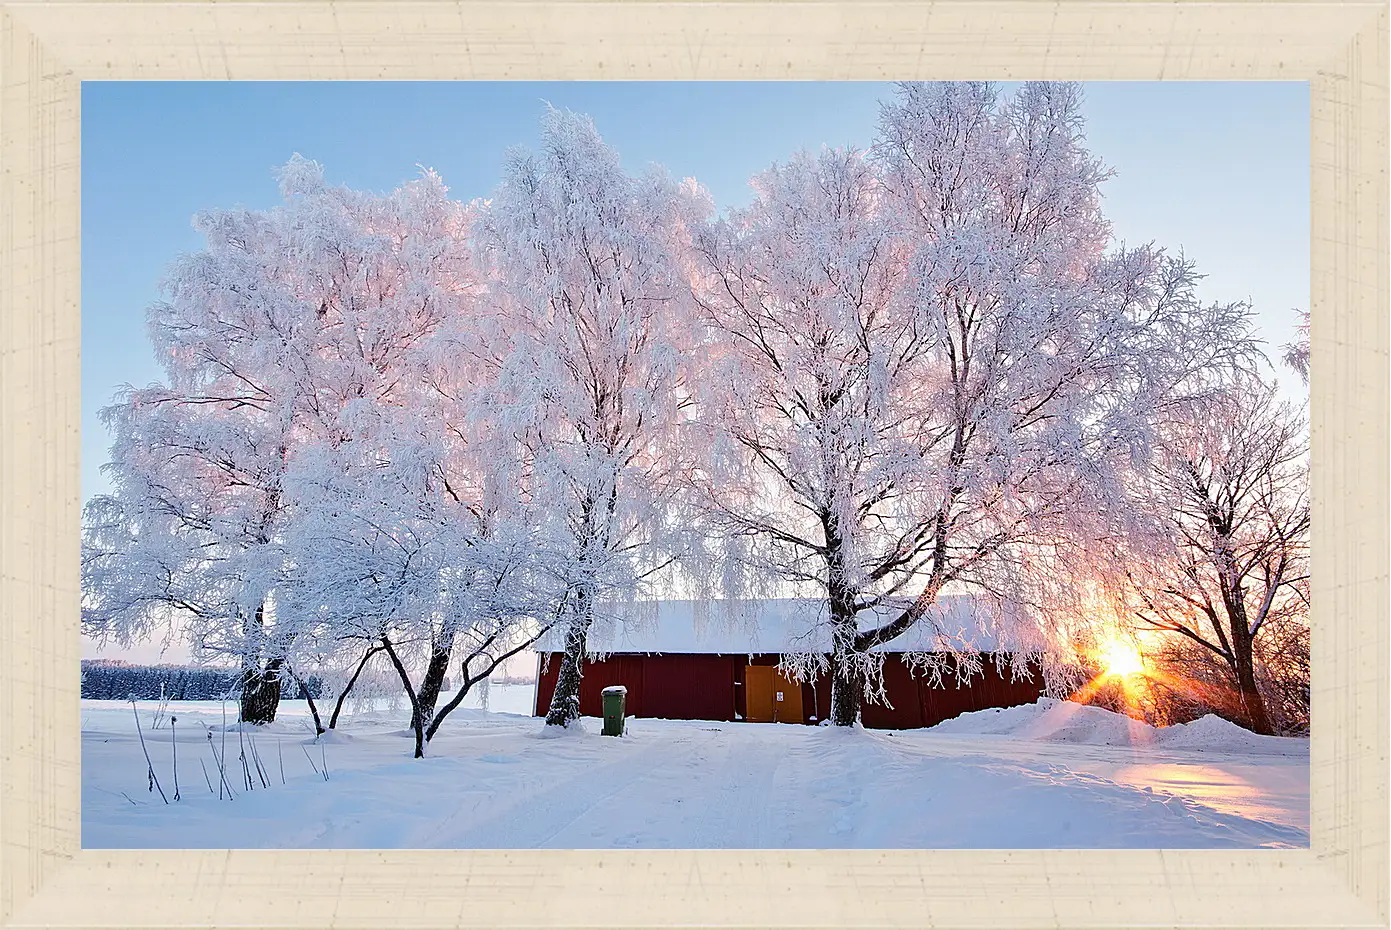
{"points": [[309, 699], [565, 702], [466, 682], [1252, 704], [260, 692], [1257, 720], [433, 681], [847, 672], [847, 675], [260, 687], [847, 690], [338, 705], [416, 725]]}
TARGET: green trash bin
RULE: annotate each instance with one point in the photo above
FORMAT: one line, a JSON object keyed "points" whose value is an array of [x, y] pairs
{"points": [[614, 698]]}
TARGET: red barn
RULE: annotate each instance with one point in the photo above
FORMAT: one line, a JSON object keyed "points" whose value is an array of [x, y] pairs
{"points": [[687, 661]]}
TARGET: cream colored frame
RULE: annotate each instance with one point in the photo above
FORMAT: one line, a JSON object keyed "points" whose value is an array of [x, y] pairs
{"points": [[47, 48]]}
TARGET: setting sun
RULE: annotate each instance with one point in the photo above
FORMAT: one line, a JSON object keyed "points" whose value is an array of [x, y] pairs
{"points": [[1121, 659]]}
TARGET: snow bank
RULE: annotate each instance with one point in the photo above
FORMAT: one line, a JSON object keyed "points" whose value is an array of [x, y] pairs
{"points": [[1053, 720], [334, 737], [1213, 733], [1069, 722], [574, 730]]}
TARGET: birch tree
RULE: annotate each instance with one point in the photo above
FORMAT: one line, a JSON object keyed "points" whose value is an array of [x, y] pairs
{"points": [[394, 557], [286, 320], [588, 291], [934, 365]]}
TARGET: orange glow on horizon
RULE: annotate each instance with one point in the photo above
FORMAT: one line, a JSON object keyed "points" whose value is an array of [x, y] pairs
{"points": [[1123, 666], [1121, 660]]}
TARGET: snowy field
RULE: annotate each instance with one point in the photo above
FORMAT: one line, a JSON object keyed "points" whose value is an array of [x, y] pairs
{"points": [[1041, 776]]}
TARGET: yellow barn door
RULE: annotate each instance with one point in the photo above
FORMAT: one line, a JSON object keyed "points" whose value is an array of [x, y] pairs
{"points": [[769, 697], [758, 693], [787, 699]]}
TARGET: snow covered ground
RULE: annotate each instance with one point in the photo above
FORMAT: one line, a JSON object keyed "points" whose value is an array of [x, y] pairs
{"points": [[1046, 775]]}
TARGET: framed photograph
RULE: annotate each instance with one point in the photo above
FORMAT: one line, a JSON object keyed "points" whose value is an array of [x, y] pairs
{"points": [[779, 464]]}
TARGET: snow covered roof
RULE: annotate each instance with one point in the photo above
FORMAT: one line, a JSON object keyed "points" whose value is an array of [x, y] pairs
{"points": [[793, 625]]}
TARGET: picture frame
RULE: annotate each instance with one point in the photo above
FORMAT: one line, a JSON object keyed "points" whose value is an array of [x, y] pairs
{"points": [[48, 48]]}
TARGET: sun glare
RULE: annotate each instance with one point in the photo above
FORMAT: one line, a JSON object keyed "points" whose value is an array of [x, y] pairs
{"points": [[1122, 659]]}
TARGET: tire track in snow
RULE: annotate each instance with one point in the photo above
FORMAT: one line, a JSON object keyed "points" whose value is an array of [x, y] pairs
{"points": [[526, 819], [847, 760], [743, 785]]}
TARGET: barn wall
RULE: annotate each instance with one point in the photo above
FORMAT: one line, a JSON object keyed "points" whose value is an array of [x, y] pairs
{"points": [[913, 702], [688, 687], [710, 687], [902, 711], [615, 670], [547, 673], [991, 689]]}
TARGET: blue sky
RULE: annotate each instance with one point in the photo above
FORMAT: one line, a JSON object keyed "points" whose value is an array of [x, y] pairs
{"points": [[1220, 170]]}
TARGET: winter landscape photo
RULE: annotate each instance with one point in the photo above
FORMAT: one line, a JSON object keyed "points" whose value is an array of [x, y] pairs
{"points": [[695, 465]]}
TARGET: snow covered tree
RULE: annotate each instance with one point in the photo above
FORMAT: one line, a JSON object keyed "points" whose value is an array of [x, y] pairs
{"points": [[197, 465], [1220, 535], [404, 515], [287, 319], [590, 321], [391, 557], [926, 366]]}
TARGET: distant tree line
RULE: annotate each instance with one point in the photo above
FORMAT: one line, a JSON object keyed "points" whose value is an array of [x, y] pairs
{"points": [[107, 680]]}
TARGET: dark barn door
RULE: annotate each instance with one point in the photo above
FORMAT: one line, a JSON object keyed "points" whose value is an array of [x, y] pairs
{"points": [[677, 687], [688, 687]]}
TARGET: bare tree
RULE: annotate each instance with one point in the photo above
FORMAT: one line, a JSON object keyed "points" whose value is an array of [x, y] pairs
{"points": [[1297, 352], [1219, 547]]}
